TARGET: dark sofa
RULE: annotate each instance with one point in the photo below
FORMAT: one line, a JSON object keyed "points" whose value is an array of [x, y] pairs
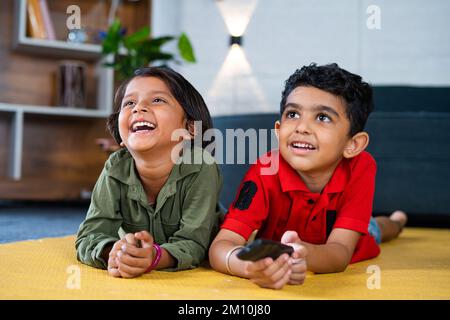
{"points": [[410, 140]]}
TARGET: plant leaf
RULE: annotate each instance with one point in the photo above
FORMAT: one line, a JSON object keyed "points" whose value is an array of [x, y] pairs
{"points": [[134, 39], [186, 51], [141, 50], [158, 42], [113, 38]]}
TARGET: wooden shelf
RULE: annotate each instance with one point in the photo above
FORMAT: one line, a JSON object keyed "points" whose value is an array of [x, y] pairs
{"points": [[56, 111], [19, 111], [61, 49], [58, 48], [53, 48]]}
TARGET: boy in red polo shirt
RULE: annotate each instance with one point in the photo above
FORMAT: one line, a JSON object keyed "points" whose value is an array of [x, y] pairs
{"points": [[320, 199]]}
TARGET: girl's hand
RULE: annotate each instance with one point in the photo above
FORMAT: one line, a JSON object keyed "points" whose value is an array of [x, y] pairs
{"points": [[112, 265], [298, 257], [268, 273], [136, 255]]}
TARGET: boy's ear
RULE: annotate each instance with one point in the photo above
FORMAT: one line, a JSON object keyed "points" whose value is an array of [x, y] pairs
{"points": [[356, 145], [277, 129]]}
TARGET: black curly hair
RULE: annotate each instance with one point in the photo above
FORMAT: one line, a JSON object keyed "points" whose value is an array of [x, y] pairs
{"points": [[331, 78], [184, 92]]}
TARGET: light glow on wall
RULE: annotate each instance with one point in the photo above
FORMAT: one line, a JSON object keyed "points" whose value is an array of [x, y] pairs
{"points": [[237, 14], [235, 88]]}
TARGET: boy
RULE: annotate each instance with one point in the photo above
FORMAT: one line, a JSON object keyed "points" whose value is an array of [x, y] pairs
{"points": [[320, 200]]}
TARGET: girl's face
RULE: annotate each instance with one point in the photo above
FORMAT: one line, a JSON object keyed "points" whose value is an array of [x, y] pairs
{"points": [[148, 116]]}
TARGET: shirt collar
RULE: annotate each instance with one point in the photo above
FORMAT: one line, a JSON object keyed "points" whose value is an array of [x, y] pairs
{"points": [[290, 180], [124, 169]]}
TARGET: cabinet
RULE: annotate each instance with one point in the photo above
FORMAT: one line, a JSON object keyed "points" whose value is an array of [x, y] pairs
{"points": [[58, 49], [20, 110]]}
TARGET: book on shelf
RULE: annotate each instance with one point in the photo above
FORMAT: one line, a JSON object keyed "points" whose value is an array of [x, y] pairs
{"points": [[39, 23], [35, 21], [48, 24]]}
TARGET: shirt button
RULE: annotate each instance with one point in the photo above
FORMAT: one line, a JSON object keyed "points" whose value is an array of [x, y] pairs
{"points": [[310, 201]]}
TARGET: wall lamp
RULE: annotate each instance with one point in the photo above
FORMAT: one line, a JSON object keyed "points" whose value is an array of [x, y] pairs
{"points": [[236, 40]]}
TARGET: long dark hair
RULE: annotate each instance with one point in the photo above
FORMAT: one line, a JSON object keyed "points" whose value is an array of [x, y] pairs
{"points": [[186, 95]]}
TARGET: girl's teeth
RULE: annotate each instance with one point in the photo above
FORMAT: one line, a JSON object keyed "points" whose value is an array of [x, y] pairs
{"points": [[140, 124]]}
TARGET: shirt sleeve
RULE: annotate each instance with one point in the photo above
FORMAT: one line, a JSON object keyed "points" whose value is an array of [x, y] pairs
{"points": [[250, 208], [199, 219], [102, 222], [357, 201]]}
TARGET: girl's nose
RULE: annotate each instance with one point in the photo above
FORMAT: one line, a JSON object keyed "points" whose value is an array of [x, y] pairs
{"points": [[140, 107]]}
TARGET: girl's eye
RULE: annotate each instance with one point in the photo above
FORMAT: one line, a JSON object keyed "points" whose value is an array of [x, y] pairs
{"points": [[127, 104], [292, 115], [158, 100], [324, 118]]}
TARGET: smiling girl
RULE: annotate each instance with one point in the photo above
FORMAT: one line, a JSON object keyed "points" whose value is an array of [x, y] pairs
{"points": [[148, 211]]}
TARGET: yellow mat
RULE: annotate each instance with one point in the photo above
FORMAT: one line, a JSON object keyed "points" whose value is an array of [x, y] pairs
{"points": [[414, 266]]}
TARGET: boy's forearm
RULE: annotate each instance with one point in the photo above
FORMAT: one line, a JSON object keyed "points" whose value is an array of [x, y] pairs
{"points": [[327, 258], [218, 257]]}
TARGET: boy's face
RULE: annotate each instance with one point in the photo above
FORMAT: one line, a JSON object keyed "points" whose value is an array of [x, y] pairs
{"points": [[314, 130], [148, 116]]}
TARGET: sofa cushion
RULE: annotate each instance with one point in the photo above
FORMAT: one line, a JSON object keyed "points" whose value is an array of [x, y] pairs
{"points": [[412, 150]]}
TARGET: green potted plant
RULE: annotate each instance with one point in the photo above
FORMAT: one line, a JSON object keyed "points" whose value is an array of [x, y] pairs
{"points": [[136, 50]]}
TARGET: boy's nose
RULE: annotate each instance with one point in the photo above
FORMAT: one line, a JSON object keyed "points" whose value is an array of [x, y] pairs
{"points": [[302, 127]]}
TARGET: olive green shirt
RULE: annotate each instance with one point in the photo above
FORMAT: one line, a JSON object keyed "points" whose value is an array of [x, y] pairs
{"points": [[183, 221]]}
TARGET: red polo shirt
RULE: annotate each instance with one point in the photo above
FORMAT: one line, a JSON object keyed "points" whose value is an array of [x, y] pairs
{"points": [[279, 202]]}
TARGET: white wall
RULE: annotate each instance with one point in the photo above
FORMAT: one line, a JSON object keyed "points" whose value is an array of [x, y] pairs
{"points": [[411, 48]]}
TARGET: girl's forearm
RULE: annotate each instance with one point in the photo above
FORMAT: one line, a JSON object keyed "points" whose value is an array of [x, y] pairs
{"points": [[167, 261], [327, 258], [105, 252]]}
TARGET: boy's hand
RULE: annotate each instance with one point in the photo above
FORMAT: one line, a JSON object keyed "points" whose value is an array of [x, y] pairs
{"points": [[268, 273], [133, 260], [298, 257]]}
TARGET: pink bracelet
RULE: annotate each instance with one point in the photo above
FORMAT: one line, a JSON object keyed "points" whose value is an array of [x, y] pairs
{"points": [[156, 259]]}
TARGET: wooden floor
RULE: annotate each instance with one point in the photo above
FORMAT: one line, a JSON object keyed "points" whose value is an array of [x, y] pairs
{"points": [[414, 266]]}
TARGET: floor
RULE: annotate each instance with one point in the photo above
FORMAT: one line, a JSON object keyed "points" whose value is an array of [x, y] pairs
{"points": [[34, 220], [414, 266], [25, 221]]}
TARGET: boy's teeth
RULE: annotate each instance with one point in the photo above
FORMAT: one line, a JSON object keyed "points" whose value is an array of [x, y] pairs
{"points": [[302, 145]]}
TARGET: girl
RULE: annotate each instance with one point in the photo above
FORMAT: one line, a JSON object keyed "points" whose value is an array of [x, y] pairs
{"points": [[148, 210]]}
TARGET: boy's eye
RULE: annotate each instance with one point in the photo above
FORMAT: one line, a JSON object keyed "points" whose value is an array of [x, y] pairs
{"points": [[292, 115], [324, 118]]}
